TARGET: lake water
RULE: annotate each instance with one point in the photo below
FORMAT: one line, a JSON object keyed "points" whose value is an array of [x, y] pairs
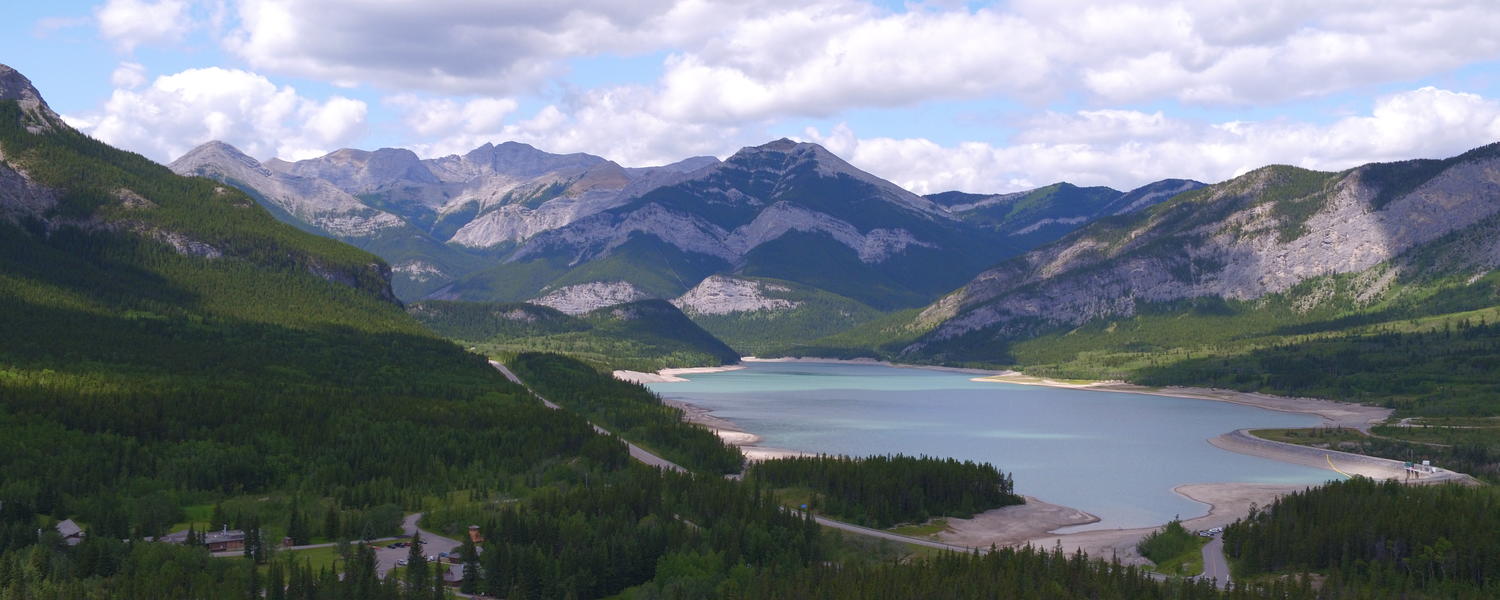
{"points": [[1115, 455]]}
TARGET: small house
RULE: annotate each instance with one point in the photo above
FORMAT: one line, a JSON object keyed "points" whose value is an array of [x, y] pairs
{"points": [[71, 533], [474, 535]]}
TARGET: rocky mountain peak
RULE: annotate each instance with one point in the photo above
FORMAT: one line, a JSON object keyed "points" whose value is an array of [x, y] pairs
{"points": [[516, 159], [214, 154], [15, 86], [361, 171], [784, 160]]}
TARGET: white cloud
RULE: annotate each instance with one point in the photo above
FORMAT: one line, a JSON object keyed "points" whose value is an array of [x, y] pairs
{"points": [[128, 75], [1426, 122], [617, 123], [733, 61], [442, 117], [458, 46], [179, 111], [130, 23]]}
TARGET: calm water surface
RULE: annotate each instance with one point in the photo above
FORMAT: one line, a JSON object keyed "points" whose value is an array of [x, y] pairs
{"points": [[1115, 455]]}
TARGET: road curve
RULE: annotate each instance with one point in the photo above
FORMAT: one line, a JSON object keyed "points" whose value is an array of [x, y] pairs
{"points": [[1215, 565], [636, 452]]}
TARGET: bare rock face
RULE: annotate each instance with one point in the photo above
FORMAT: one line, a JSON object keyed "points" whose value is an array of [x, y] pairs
{"points": [[37, 116], [722, 295], [360, 171], [20, 197], [1258, 234], [584, 297], [313, 201]]}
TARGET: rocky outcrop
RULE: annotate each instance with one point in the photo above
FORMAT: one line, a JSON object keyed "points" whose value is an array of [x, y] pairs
{"points": [[722, 295], [585, 297], [22, 198], [35, 114]]}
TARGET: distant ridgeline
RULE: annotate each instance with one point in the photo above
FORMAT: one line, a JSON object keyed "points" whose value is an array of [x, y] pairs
{"points": [[645, 335]]}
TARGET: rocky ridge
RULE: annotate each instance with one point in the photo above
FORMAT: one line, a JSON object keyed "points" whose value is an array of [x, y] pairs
{"points": [[1258, 234]]}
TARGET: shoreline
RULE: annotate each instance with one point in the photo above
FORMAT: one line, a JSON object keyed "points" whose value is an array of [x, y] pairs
{"points": [[1227, 502], [673, 375], [875, 362], [1041, 524], [731, 433], [1333, 412]]}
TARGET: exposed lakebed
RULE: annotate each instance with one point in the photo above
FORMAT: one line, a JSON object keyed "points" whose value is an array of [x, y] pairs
{"points": [[1116, 455]]}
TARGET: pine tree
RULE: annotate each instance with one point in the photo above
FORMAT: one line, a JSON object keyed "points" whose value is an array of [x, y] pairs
{"points": [[416, 567], [275, 583], [470, 556], [251, 541], [331, 523], [297, 528], [252, 587]]}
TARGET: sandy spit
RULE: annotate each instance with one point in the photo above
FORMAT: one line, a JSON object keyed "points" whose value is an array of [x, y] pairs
{"points": [[670, 375]]}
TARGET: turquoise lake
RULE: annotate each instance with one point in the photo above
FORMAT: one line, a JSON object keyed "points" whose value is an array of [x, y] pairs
{"points": [[1116, 455]]}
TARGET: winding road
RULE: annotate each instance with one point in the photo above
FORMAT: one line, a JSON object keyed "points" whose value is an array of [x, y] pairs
{"points": [[648, 458]]}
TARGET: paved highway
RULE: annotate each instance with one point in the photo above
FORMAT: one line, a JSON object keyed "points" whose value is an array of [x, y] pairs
{"points": [[1215, 565]]}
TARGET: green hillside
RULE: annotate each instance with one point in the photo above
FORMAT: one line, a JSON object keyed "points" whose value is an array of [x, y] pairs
{"points": [[648, 335], [169, 343]]}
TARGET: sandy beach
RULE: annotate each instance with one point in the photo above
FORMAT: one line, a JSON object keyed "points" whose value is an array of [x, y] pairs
{"points": [[670, 375], [1227, 503]]}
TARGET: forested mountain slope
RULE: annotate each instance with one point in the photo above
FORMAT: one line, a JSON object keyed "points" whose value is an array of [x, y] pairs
{"points": [[168, 341]]}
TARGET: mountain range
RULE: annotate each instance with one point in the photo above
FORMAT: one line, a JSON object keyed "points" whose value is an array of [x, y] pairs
{"points": [[784, 237]]}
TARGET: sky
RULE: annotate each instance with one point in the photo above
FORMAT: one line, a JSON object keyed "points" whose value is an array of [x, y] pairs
{"points": [[940, 95]]}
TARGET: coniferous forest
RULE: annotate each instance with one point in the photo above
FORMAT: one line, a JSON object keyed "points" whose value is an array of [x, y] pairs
{"points": [[1376, 539], [628, 409], [882, 491]]}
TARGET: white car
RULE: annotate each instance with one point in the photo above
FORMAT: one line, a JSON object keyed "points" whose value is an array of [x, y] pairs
{"points": [[400, 562]]}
